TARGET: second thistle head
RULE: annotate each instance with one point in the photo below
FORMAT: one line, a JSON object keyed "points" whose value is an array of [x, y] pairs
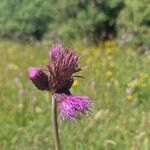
{"points": [[61, 69]]}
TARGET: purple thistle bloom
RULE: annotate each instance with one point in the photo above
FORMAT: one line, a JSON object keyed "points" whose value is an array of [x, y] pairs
{"points": [[55, 50], [38, 78], [72, 106], [63, 64], [62, 68]]}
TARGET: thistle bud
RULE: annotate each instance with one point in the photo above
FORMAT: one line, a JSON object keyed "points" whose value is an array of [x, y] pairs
{"points": [[38, 78]]}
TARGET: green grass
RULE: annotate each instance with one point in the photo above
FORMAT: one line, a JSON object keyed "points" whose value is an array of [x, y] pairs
{"points": [[119, 120]]}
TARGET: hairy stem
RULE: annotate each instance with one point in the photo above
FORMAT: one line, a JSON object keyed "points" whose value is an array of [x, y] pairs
{"points": [[55, 124]]}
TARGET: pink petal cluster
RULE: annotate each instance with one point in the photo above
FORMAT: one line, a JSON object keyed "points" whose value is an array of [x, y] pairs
{"points": [[72, 106]]}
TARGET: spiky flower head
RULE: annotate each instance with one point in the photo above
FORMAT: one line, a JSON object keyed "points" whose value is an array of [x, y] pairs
{"points": [[72, 106], [62, 68]]}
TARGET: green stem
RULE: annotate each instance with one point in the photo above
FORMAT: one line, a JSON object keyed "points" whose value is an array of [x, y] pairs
{"points": [[55, 124]]}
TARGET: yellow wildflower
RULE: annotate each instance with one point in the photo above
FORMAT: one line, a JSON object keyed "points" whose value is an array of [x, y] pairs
{"points": [[108, 74], [133, 83], [13, 66], [144, 75], [75, 83], [130, 97]]}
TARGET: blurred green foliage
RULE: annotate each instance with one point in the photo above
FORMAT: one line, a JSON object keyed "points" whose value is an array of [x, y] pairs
{"points": [[92, 20], [68, 20], [24, 18], [81, 18], [134, 22]]}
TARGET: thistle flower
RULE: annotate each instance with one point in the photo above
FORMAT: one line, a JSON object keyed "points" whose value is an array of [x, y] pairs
{"points": [[61, 70], [72, 106], [62, 66]]}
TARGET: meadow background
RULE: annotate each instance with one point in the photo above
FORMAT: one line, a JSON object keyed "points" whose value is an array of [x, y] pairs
{"points": [[112, 38]]}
